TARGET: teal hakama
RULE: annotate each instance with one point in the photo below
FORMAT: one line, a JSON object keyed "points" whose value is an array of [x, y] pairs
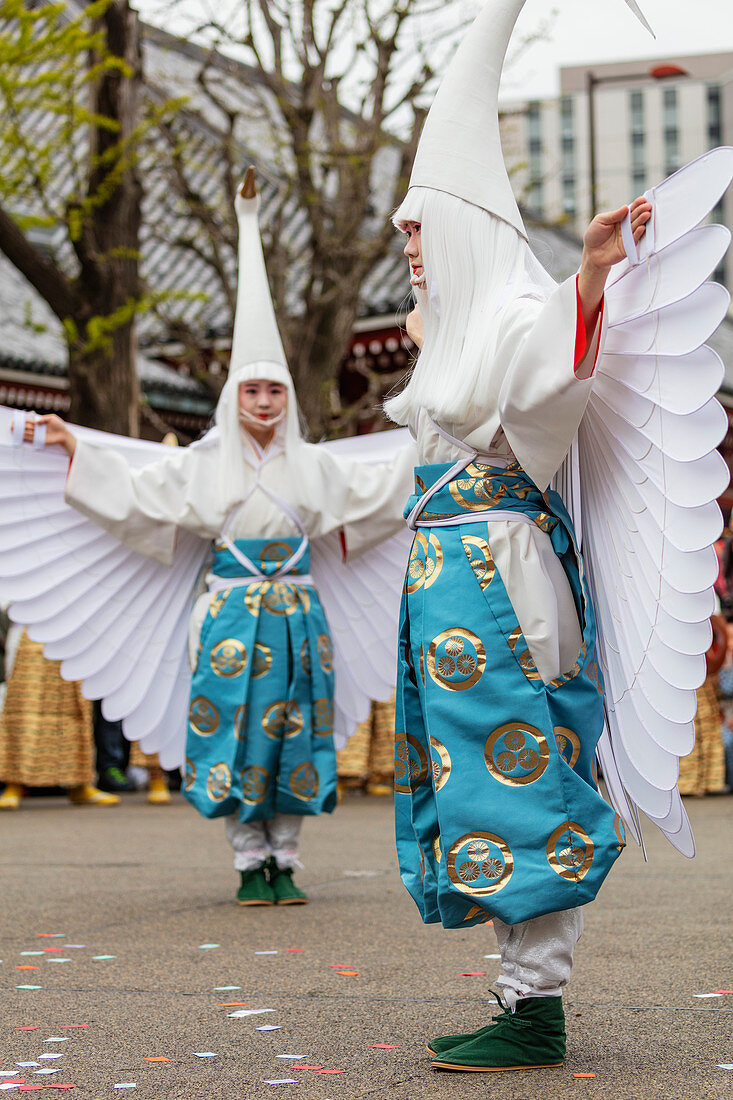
{"points": [[260, 733], [497, 807]]}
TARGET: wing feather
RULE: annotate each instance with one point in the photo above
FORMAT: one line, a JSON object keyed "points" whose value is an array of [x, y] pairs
{"points": [[650, 476], [116, 620]]}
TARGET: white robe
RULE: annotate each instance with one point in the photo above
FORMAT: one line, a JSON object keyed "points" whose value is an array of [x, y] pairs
{"points": [[541, 403], [144, 508]]}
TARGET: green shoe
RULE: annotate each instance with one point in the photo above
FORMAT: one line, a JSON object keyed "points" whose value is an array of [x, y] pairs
{"points": [[533, 1037], [255, 889], [448, 1042], [283, 888]]}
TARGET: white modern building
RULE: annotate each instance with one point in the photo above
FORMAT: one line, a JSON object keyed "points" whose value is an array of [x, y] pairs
{"points": [[650, 117]]}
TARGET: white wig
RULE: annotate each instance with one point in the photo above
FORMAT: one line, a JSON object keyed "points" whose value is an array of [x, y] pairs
{"points": [[229, 435], [475, 265]]}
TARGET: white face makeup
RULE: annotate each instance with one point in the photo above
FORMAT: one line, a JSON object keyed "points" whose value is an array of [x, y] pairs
{"points": [[262, 405], [263, 400], [413, 251]]}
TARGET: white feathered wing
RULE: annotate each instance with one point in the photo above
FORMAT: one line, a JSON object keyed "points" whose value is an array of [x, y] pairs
{"points": [[118, 621], [645, 501]]}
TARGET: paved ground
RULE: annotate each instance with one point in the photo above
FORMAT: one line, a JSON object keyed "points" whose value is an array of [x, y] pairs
{"points": [[149, 885]]}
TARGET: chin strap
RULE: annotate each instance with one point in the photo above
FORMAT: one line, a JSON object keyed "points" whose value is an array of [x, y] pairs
{"points": [[249, 420]]}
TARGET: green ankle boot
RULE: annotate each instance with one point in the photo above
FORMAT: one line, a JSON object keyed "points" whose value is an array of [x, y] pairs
{"points": [[255, 889], [533, 1037], [284, 890], [447, 1042]]}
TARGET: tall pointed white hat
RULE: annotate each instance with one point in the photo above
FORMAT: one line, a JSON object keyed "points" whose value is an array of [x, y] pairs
{"points": [[257, 350], [460, 146], [256, 338]]}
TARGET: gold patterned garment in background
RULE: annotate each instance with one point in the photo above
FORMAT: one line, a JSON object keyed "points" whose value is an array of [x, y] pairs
{"points": [[703, 771], [367, 760], [140, 759], [46, 736]]}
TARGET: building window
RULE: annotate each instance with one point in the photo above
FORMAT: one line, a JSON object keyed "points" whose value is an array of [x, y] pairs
{"points": [[567, 145], [535, 197], [715, 119], [534, 145], [534, 121], [671, 131], [638, 140], [638, 152], [636, 111], [567, 124], [670, 108], [671, 150], [569, 198]]}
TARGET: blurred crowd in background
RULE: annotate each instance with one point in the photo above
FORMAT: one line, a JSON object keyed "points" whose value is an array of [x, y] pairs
{"points": [[53, 740]]}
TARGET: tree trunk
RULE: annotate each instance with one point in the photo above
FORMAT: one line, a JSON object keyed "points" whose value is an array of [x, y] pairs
{"points": [[102, 373], [322, 336], [103, 384]]}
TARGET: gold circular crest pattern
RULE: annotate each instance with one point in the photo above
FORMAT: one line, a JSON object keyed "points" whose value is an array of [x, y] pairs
{"points": [[203, 716], [322, 717], [426, 562], [282, 719], [570, 851], [218, 782], [229, 658], [487, 491], [410, 765], [304, 597], [593, 673], [325, 652], [217, 601], [279, 598], [240, 722], [189, 774], [261, 660], [525, 658], [568, 744], [277, 552], [480, 863], [253, 598], [304, 782], [516, 754], [254, 784], [480, 559], [437, 852], [442, 766], [456, 659]]}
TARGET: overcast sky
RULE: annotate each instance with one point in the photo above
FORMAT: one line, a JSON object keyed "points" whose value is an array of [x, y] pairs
{"points": [[587, 31], [582, 32]]}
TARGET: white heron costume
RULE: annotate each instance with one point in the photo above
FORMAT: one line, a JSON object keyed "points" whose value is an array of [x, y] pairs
{"points": [[115, 565], [626, 431]]}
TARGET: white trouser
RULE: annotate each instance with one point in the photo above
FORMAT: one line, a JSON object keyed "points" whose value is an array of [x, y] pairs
{"points": [[256, 841], [537, 955]]}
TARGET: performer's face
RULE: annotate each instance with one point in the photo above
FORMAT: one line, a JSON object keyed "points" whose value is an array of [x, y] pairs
{"points": [[262, 400], [413, 251]]}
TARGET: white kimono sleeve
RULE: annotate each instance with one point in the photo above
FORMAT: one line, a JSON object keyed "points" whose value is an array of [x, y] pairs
{"points": [[542, 399], [142, 508], [365, 501]]}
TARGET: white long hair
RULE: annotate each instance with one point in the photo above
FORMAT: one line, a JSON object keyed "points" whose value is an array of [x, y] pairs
{"points": [[475, 265]]}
